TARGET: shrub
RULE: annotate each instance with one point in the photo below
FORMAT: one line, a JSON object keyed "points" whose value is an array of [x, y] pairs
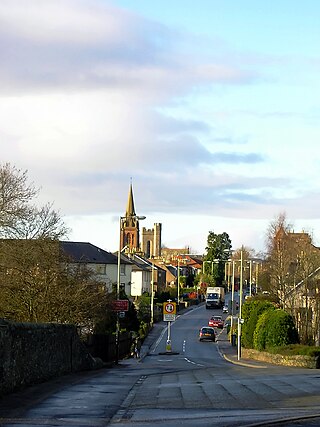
{"points": [[261, 330], [281, 329], [275, 328], [251, 312]]}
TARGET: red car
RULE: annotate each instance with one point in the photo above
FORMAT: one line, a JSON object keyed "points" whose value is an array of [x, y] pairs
{"points": [[216, 322]]}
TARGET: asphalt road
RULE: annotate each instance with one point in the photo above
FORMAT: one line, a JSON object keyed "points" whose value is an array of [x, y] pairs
{"points": [[195, 384]]}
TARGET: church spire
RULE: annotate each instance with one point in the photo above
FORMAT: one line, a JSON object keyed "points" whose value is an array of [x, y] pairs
{"points": [[130, 226], [130, 205]]}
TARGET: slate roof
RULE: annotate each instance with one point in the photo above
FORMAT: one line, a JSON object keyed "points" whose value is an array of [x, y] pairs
{"points": [[172, 269], [87, 253], [138, 263]]}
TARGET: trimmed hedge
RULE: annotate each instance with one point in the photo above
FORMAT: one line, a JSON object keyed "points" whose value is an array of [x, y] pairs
{"points": [[275, 328], [251, 312], [261, 330]]}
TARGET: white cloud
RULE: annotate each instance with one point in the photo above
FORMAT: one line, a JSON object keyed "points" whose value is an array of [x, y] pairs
{"points": [[92, 94]]}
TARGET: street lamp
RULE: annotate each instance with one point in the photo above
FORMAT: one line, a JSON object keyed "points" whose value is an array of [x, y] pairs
{"points": [[178, 279], [240, 301], [250, 277], [232, 296], [121, 218], [152, 294], [240, 304]]}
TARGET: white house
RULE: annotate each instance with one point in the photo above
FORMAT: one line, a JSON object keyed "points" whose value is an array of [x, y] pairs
{"points": [[101, 262], [141, 277]]}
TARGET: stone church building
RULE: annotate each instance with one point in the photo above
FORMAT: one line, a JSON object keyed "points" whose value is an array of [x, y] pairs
{"points": [[148, 243]]}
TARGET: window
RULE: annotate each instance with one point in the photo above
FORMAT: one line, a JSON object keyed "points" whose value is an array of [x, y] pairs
{"points": [[101, 269]]}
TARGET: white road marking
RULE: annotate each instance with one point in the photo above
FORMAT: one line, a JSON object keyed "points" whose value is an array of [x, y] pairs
{"points": [[193, 363], [159, 339]]}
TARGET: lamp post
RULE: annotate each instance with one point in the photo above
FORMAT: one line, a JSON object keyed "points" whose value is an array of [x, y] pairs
{"points": [[250, 278], [152, 295], [121, 218], [232, 296], [178, 284], [178, 278], [240, 304]]}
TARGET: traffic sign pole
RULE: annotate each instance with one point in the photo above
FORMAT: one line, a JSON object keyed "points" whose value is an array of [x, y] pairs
{"points": [[168, 345], [169, 314]]}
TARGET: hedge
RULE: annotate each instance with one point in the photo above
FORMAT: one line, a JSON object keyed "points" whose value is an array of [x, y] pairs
{"points": [[275, 328], [251, 312]]}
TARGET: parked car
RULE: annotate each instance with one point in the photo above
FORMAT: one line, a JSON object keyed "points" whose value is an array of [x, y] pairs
{"points": [[225, 309], [216, 322], [207, 333]]}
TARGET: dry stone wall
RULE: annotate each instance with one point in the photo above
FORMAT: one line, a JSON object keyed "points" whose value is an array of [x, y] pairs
{"points": [[278, 359], [32, 353]]}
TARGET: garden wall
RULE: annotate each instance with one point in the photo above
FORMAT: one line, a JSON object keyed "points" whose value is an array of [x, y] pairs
{"points": [[278, 359], [31, 353]]}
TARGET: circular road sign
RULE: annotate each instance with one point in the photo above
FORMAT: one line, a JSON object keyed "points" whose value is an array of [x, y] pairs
{"points": [[169, 308]]}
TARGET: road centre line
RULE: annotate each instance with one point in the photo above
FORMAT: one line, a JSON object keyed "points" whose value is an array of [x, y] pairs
{"points": [[193, 363]]}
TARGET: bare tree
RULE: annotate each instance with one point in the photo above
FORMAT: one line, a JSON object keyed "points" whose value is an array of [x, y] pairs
{"points": [[38, 223], [281, 252], [304, 304], [38, 285], [36, 281], [19, 217], [15, 195], [292, 262]]}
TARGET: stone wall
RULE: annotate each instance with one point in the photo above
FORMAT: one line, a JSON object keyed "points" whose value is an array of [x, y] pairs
{"points": [[279, 359], [32, 353]]}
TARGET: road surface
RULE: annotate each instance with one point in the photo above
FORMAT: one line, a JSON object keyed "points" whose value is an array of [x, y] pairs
{"points": [[193, 385]]}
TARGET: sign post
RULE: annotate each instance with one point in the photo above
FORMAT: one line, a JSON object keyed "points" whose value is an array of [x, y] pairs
{"points": [[169, 315], [121, 305]]}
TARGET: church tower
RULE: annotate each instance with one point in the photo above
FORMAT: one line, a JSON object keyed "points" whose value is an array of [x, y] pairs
{"points": [[130, 226], [130, 233], [151, 241]]}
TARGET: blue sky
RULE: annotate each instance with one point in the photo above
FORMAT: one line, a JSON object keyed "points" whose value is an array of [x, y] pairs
{"points": [[211, 107]]}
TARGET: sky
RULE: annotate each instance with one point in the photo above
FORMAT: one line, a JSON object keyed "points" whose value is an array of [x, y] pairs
{"points": [[210, 108]]}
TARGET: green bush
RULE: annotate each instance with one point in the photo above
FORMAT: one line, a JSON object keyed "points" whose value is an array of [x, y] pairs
{"points": [[275, 328], [261, 330], [251, 311], [281, 329]]}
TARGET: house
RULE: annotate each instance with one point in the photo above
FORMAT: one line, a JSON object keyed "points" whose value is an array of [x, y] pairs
{"points": [[104, 264], [140, 275], [145, 275], [303, 301]]}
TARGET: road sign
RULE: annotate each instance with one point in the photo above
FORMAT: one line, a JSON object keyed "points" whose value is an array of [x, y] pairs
{"points": [[121, 305], [169, 311], [169, 317], [169, 307]]}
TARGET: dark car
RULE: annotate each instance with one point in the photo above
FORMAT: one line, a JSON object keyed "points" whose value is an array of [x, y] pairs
{"points": [[207, 333]]}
